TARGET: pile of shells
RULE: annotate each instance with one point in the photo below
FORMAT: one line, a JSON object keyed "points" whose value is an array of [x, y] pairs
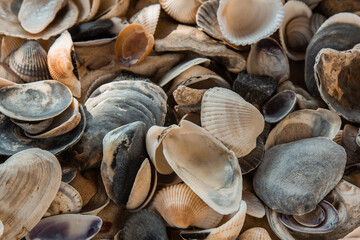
{"points": [[179, 119]]}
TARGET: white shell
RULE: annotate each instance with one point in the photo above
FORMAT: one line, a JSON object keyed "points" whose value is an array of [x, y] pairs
{"points": [[232, 120], [148, 17], [183, 11], [255, 207]]}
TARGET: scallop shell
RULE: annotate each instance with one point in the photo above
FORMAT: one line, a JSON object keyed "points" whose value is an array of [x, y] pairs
{"points": [[29, 62], [36, 15], [227, 231], [221, 190], [301, 30], [302, 124], [182, 11], [181, 207], [33, 127], [62, 64], [228, 117], [267, 58], [256, 233], [41, 172], [253, 27], [147, 17], [133, 44]]}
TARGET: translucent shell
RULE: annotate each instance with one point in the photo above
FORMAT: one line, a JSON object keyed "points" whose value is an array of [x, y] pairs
{"points": [[133, 44]]}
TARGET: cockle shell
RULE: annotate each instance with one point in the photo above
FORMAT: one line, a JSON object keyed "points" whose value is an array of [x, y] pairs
{"points": [[29, 62], [182, 11], [147, 17], [41, 172], [181, 207], [62, 64], [255, 233], [206, 19], [240, 23], [228, 117], [8, 45]]}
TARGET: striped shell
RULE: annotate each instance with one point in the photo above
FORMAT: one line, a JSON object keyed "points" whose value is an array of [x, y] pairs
{"points": [[183, 11]]}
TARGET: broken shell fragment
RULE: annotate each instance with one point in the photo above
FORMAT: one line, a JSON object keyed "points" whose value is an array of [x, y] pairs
{"points": [[133, 44], [147, 17], [279, 106], [182, 11], [66, 226]]}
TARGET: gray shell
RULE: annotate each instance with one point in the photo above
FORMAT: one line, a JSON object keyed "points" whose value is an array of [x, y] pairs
{"points": [[294, 177]]}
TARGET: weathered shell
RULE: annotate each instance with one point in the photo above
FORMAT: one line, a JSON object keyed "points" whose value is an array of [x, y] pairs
{"points": [[35, 101], [62, 64], [229, 230], [8, 74], [35, 16], [41, 172], [181, 207], [252, 28], [112, 8], [187, 96], [256, 233], [143, 225], [295, 31], [336, 74], [182, 11], [279, 106], [66, 227], [8, 45], [331, 7], [267, 58], [198, 167], [285, 173], [147, 17], [133, 44], [228, 117], [33, 127], [331, 35], [29, 62], [255, 207], [304, 123], [84, 9], [316, 21], [252, 160]]}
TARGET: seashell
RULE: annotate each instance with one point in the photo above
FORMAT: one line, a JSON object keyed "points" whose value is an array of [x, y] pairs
{"points": [[187, 96], [1, 228], [255, 233], [316, 21], [34, 101], [143, 225], [73, 226], [329, 8], [335, 74], [62, 64], [254, 89], [10, 9], [8, 74], [35, 16], [206, 19], [33, 127], [229, 230], [295, 32], [29, 62], [8, 45], [338, 137], [279, 106], [61, 124], [68, 174], [221, 190], [252, 28], [330, 35], [194, 118], [135, 100], [253, 159], [267, 58], [182, 11], [14, 139], [116, 8], [84, 7], [351, 173], [222, 108], [42, 173], [281, 175], [147, 17], [181, 207], [133, 44], [311, 3], [255, 208], [67, 200], [351, 236], [302, 124], [85, 184], [348, 141]]}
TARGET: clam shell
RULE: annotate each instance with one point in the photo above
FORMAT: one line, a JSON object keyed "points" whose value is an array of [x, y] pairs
{"points": [[182, 11], [62, 64], [8, 74], [256, 233], [29, 62], [67, 200], [36, 15], [295, 9], [147, 17], [255, 207], [206, 19], [41, 172], [252, 27], [229, 230], [221, 190], [117, 8], [279, 106], [330, 35], [66, 226], [181, 207], [34, 101], [304, 123], [228, 117], [33, 127]]}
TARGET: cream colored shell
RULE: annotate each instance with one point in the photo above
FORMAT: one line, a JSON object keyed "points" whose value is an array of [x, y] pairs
{"points": [[256, 233], [148, 17], [183, 11]]}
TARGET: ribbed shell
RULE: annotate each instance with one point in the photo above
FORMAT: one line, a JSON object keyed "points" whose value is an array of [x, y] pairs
{"points": [[316, 21], [255, 207], [8, 45], [29, 62], [29, 181], [182, 208], [252, 160], [183, 11], [206, 18], [256, 233], [148, 17], [228, 117]]}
